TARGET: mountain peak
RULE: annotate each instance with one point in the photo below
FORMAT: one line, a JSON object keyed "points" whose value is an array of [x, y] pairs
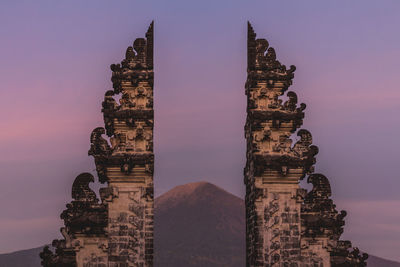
{"points": [[202, 221], [193, 193], [190, 187]]}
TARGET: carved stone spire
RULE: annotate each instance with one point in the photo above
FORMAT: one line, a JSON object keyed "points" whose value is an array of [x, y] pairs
{"points": [[127, 163], [118, 231], [282, 220]]}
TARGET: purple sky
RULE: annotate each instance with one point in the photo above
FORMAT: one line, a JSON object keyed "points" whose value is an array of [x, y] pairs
{"points": [[54, 71]]}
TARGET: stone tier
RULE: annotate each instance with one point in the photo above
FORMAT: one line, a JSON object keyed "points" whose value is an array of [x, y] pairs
{"points": [[282, 80], [121, 79], [282, 165], [281, 120]]}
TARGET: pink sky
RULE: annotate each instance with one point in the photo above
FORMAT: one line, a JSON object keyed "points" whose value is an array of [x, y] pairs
{"points": [[55, 69]]}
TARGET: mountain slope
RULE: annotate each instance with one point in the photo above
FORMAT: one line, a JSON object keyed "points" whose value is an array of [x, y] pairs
{"points": [[21, 258], [197, 224], [374, 261]]}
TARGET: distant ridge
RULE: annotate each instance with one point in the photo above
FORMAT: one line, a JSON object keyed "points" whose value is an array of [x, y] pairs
{"points": [[196, 224], [21, 258]]}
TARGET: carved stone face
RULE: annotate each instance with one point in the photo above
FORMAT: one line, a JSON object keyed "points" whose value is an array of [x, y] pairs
{"points": [[130, 136], [263, 91], [266, 134], [306, 138], [140, 91]]}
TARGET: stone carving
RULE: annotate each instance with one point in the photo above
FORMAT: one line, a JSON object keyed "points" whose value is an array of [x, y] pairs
{"points": [[61, 258], [280, 155], [118, 231], [345, 256], [127, 165], [99, 146], [84, 216], [321, 219], [291, 103], [100, 150], [318, 212], [80, 188], [297, 228], [109, 107], [285, 224]]}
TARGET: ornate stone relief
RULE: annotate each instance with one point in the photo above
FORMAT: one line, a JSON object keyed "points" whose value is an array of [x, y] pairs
{"points": [[119, 230], [298, 228]]}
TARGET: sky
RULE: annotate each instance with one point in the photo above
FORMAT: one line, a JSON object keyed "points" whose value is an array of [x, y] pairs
{"points": [[54, 71]]}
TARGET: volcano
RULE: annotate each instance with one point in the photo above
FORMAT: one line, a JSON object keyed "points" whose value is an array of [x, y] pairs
{"points": [[199, 224]]}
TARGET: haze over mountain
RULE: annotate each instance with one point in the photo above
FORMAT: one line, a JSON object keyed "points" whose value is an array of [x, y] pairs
{"points": [[196, 224]]}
